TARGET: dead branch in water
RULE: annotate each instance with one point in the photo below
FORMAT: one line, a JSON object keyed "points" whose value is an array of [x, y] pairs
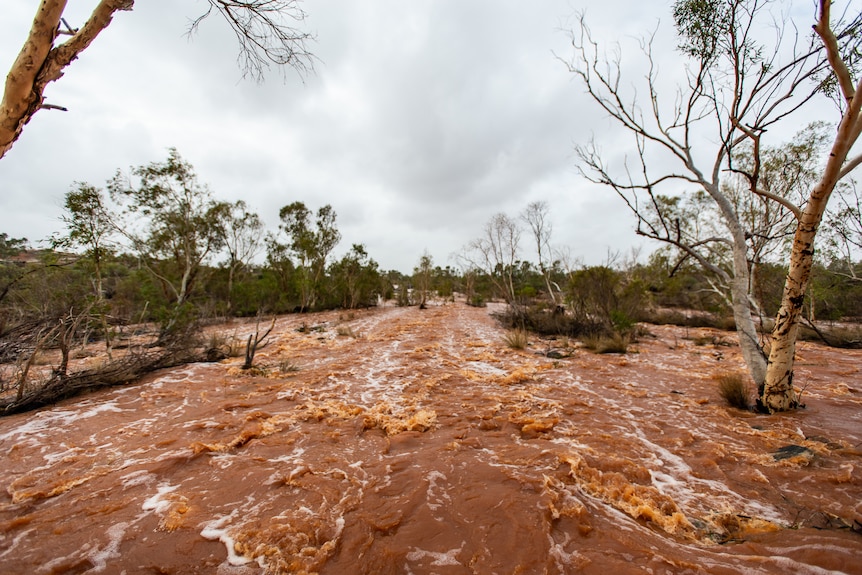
{"points": [[254, 341], [61, 386]]}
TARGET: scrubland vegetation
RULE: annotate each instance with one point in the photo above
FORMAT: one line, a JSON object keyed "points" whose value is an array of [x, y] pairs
{"points": [[142, 267]]}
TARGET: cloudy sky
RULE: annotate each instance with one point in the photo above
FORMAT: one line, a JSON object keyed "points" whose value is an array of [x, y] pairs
{"points": [[423, 118]]}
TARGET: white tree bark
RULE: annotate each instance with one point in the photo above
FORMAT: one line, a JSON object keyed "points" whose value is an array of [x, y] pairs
{"points": [[777, 393], [740, 289]]}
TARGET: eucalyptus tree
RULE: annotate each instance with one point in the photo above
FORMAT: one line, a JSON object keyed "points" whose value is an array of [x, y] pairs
{"points": [[311, 244], [495, 254], [266, 31], [91, 225], [241, 235], [738, 86], [11, 246], [355, 278], [171, 222], [422, 278], [536, 217]]}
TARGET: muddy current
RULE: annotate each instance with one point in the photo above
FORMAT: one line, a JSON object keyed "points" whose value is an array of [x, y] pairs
{"points": [[409, 441]]}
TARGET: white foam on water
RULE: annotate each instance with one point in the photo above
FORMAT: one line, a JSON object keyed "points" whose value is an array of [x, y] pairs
{"points": [[290, 457], [52, 419], [202, 424], [135, 478], [100, 557], [436, 493], [223, 460], [15, 541], [215, 530], [769, 564], [157, 502], [437, 558], [563, 560]]}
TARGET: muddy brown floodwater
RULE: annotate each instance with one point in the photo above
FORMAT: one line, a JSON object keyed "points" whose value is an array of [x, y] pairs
{"points": [[400, 440]]}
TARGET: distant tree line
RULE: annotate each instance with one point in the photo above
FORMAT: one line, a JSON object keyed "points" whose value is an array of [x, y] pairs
{"points": [[155, 246]]}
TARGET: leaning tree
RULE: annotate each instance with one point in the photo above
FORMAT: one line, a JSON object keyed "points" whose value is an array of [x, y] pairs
{"points": [[739, 84], [266, 31]]}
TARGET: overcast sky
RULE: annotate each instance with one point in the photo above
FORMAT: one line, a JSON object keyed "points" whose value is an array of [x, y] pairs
{"points": [[422, 120]]}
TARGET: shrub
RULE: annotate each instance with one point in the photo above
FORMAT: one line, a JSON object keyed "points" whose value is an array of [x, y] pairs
{"points": [[516, 339], [346, 331], [616, 343], [735, 391], [287, 366], [546, 322]]}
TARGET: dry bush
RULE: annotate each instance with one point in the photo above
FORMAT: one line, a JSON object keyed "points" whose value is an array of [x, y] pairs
{"points": [[516, 339], [287, 366], [734, 389], [346, 331], [616, 343], [229, 346], [545, 322], [690, 319]]}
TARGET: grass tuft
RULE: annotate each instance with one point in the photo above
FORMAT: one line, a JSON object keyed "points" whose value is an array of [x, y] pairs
{"points": [[287, 366], [735, 391], [516, 339]]}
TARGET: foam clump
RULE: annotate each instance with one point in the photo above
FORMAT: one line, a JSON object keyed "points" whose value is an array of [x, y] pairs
{"points": [[393, 424], [643, 502]]}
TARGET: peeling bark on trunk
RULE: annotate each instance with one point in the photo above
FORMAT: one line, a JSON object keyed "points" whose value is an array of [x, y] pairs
{"points": [[777, 393], [40, 63]]}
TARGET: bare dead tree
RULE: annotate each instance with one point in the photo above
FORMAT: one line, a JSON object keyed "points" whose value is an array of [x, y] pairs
{"points": [[254, 341], [536, 217]]}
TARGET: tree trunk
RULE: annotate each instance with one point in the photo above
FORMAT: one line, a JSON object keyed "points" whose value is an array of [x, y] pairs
{"points": [[777, 393], [746, 330], [740, 290]]}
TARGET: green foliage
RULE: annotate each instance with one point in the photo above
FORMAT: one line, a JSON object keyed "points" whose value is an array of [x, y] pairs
{"points": [[700, 25], [310, 245], [612, 299], [422, 275], [11, 246], [172, 223], [354, 280]]}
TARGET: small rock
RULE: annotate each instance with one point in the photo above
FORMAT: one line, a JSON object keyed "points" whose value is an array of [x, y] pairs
{"points": [[789, 451]]}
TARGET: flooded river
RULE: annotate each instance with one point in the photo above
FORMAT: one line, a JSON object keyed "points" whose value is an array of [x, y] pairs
{"points": [[407, 441]]}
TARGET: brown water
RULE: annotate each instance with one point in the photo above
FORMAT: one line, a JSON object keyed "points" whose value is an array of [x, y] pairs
{"points": [[424, 445]]}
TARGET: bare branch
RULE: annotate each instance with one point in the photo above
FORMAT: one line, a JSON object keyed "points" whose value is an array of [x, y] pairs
{"points": [[851, 165], [794, 209], [823, 28], [267, 33]]}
